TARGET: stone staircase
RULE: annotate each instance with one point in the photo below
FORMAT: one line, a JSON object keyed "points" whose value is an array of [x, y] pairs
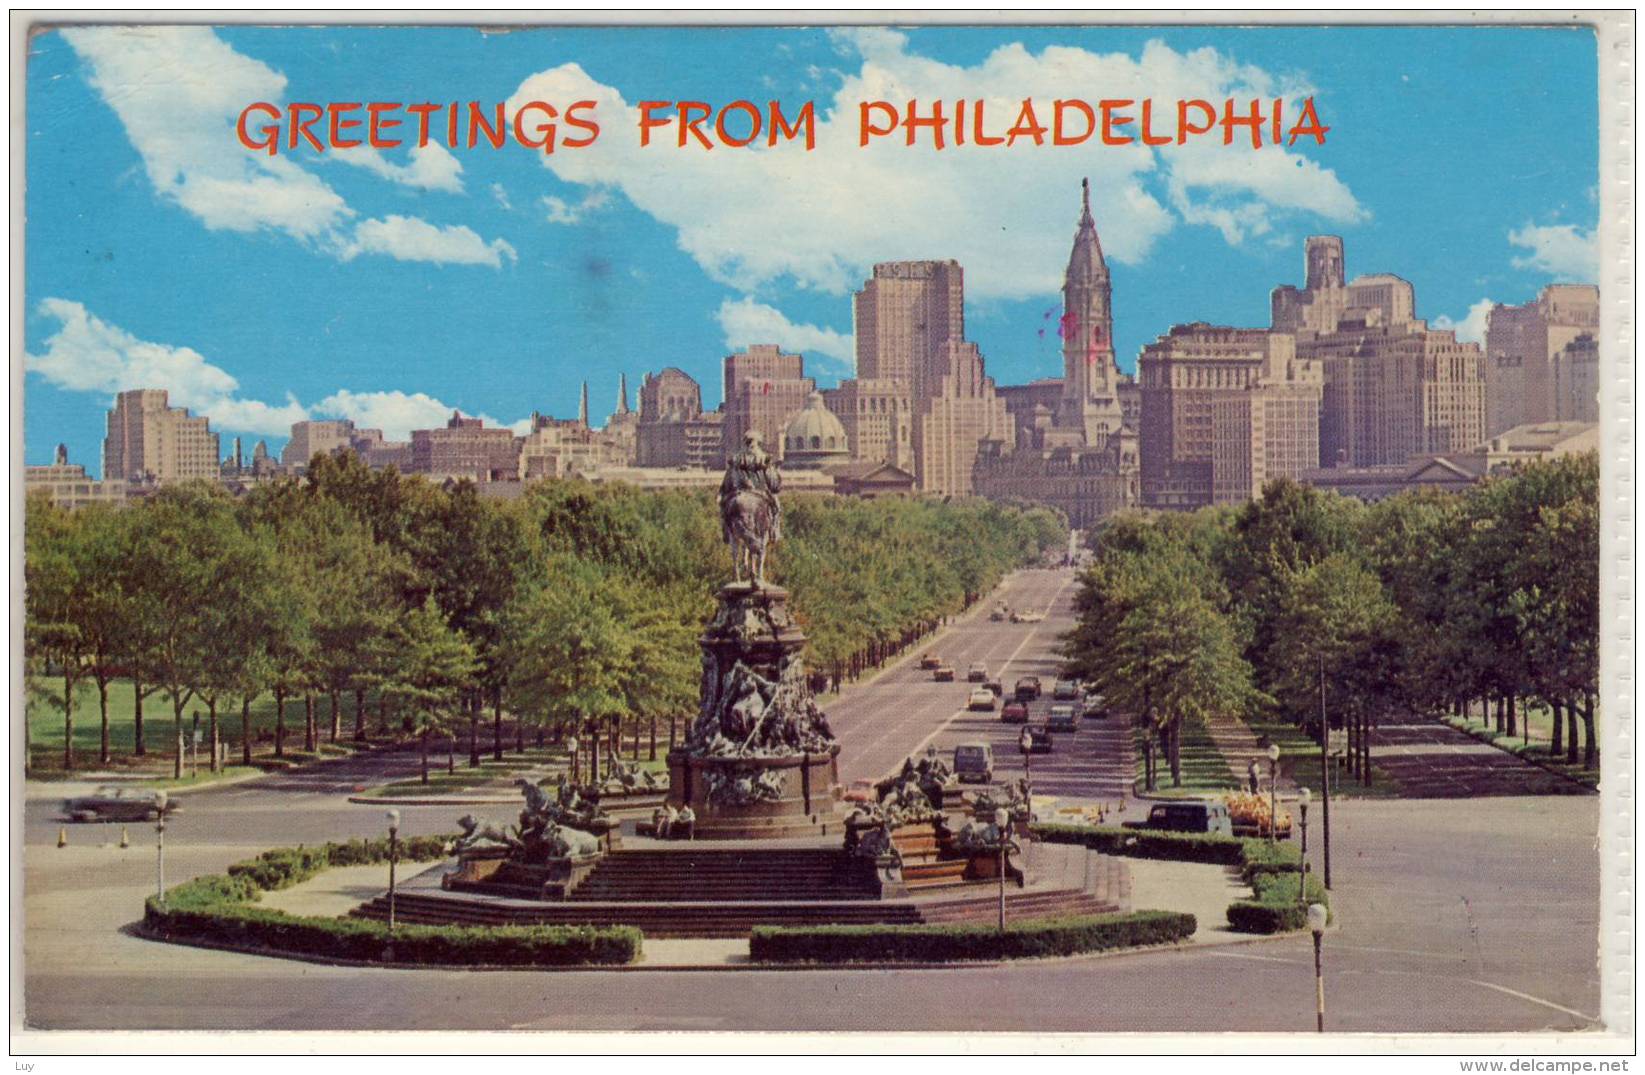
{"points": [[718, 874]]}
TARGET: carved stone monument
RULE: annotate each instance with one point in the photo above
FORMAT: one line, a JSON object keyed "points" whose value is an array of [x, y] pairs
{"points": [[555, 845], [759, 760]]}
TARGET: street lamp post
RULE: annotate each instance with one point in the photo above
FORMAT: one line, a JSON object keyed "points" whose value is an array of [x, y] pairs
{"points": [[1273, 793], [1002, 818], [1025, 743], [571, 745], [393, 860], [1317, 917], [160, 847], [1304, 797]]}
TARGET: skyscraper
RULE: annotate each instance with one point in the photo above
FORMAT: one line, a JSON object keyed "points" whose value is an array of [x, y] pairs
{"points": [[1541, 359], [904, 314], [149, 439], [764, 388]]}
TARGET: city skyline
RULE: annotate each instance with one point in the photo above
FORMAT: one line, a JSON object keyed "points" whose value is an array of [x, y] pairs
{"points": [[613, 272]]}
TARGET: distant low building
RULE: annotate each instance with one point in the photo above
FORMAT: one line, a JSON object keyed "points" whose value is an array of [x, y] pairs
{"points": [[1457, 471], [870, 480], [68, 485], [465, 448]]}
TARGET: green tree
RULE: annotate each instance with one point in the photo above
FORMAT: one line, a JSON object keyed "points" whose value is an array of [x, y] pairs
{"points": [[432, 667]]}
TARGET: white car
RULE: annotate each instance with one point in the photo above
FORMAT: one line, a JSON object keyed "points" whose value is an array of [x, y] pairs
{"points": [[982, 698]]}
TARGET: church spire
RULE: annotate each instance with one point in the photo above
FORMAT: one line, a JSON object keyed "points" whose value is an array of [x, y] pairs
{"points": [[582, 407], [622, 393]]}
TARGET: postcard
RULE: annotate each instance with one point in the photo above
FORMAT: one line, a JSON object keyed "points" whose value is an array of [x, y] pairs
{"points": [[948, 527]]}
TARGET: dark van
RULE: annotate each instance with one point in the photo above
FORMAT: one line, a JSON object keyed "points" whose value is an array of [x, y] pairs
{"points": [[1187, 817]]}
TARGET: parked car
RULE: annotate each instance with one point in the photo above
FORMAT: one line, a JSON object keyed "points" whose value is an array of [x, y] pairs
{"points": [[116, 804], [1065, 690], [974, 763], [978, 672], [929, 660], [1187, 817], [1094, 707], [1000, 612], [860, 791], [1014, 713], [1039, 741], [981, 698], [1028, 688], [944, 673], [1061, 719], [1027, 616]]}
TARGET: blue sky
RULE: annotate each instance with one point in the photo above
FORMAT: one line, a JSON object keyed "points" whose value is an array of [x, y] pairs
{"points": [[390, 288]]}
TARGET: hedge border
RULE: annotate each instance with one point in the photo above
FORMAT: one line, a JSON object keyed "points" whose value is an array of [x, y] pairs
{"points": [[218, 910], [1028, 939], [1269, 868]]}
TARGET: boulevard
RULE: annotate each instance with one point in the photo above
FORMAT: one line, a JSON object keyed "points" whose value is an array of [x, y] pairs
{"points": [[1473, 914]]}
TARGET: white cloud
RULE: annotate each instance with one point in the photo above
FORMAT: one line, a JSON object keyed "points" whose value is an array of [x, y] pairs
{"points": [[821, 219], [431, 167], [1564, 251], [87, 354], [178, 92], [746, 322], [415, 239], [501, 195], [1471, 329], [561, 211]]}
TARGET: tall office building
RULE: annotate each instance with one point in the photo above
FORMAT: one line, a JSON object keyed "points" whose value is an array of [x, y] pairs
{"points": [[1542, 359], [147, 439], [904, 314], [952, 423], [878, 419], [764, 388], [1393, 387]]}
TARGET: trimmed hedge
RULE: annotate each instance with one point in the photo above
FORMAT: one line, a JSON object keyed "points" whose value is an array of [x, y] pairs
{"points": [[1271, 869], [1021, 940], [218, 909]]}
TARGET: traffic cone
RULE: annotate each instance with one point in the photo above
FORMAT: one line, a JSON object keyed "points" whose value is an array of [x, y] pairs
{"points": [[125, 837], [62, 836]]}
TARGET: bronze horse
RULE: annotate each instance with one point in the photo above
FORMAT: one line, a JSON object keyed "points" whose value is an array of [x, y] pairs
{"points": [[749, 526]]}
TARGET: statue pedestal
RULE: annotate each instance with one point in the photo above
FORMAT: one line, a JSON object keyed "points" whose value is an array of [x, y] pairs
{"points": [[740, 798], [760, 760], [553, 879]]}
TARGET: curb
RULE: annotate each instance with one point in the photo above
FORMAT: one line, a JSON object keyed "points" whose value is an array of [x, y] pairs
{"points": [[372, 800], [1538, 763]]}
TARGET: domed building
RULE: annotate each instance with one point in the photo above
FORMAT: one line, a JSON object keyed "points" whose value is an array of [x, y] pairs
{"points": [[814, 438]]}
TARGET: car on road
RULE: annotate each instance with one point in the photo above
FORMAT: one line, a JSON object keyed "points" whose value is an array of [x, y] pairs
{"points": [[974, 763], [1065, 690], [981, 698], [1000, 613], [1061, 719], [1039, 740], [978, 672], [1027, 616], [860, 791], [943, 673], [116, 804], [997, 687], [1193, 816], [929, 661], [1094, 707], [1014, 713], [1028, 688]]}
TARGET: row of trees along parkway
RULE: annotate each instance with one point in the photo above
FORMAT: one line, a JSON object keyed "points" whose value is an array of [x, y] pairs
{"points": [[1428, 602], [387, 604]]}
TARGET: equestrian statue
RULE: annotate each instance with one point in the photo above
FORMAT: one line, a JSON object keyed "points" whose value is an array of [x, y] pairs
{"points": [[750, 513]]}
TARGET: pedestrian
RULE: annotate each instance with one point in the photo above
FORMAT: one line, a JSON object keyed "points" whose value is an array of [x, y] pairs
{"points": [[687, 822], [1252, 779]]}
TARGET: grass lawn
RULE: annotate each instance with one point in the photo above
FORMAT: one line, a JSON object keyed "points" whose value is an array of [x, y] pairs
{"points": [[1540, 723], [1299, 759], [1204, 770], [46, 722]]}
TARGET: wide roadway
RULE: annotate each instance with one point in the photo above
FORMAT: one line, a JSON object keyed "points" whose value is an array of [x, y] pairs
{"points": [[1456, 916]]}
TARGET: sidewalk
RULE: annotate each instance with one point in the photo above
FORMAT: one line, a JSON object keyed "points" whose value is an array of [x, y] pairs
{"points": [[1237, 744]]}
